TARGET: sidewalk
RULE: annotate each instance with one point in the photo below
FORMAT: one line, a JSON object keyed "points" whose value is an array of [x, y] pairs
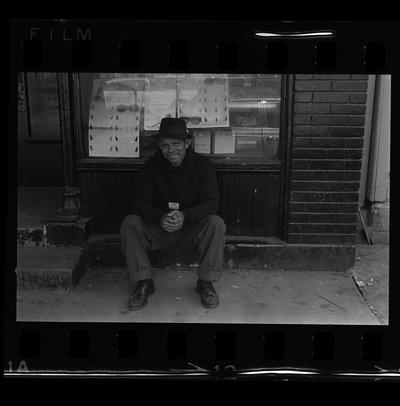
{"points": [[357, 296]]}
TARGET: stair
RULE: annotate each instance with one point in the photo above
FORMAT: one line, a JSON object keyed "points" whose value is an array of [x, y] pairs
{"points": [[38, 225], [239, 254], [49, 248], [54, 233], [62, 267], [49, 268], [54, 254]]}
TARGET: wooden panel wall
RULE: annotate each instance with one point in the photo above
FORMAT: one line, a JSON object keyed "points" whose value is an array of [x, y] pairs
{"points": [[249, 201]]}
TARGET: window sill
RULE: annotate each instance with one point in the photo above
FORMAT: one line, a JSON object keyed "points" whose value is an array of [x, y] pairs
{"points": [[135, 164]]}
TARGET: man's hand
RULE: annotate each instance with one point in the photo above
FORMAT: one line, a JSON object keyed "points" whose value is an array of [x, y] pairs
{"points": [[172, 221]]}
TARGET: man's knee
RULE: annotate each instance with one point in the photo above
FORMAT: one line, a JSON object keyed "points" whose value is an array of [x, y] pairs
{"points": [[217, 222], [132, 220]]}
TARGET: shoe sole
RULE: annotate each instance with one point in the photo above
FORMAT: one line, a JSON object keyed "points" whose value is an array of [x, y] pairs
{"points": [[210, 306]]}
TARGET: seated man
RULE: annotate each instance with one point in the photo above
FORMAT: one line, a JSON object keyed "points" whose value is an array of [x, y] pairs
{"points": [[175, 201]]}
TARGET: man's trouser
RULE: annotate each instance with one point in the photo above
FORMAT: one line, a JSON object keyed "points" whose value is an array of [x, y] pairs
{"points": [[139, 238]]}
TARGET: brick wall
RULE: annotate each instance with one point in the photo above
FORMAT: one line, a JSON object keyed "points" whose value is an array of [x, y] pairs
{"points": [[328, 129]]}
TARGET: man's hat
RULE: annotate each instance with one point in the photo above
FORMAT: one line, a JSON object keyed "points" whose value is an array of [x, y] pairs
{"points": [[172, 128]]}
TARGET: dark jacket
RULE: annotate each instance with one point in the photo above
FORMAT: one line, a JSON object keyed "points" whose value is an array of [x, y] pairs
{"points": [[193, 185]]}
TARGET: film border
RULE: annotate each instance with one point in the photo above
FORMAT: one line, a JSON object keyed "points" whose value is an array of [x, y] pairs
{"points": [[62, 46]]}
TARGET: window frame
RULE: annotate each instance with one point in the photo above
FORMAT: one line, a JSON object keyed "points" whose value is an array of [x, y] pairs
{"points": [[86, 163]]}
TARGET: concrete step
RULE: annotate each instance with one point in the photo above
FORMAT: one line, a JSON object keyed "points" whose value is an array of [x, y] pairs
{"points": [[239, 254], [31, 237], [49, 268], [54, 232], [62, 267]]}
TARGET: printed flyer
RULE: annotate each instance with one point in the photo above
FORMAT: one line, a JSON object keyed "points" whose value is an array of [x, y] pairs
{"points": [[113, 122], [160, 101], [202, 142], [190, 100], [203, 101], [224, 143]]}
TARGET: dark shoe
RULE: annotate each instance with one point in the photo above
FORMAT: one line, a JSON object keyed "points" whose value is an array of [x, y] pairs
{"points": [[143, 289], [209, 297]]}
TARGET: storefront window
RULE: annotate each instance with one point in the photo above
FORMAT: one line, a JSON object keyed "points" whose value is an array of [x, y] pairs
{"points": [[43, 112], [231, 116]]}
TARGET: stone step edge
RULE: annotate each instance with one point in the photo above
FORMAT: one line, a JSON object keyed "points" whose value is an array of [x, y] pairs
{"points": [[229, 239], [238, 257], [50, 276], [52, 233], [31, 237], [241, 241]]}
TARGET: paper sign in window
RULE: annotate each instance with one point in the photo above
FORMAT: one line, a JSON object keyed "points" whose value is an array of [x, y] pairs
{"points": [[159, 104], [113, 125], [203, 101], [190, 100], [160, 101], [99, 115], [109, 143], [202, 142], [224, 143], [215, 97], [119, 99]]}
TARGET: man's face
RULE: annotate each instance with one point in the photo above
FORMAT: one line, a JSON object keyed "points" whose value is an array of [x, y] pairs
{"points": [[174, 149]]}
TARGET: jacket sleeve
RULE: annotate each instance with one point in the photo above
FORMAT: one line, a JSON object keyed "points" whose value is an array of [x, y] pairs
{"points": [[209, 196], [143, 194]]}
